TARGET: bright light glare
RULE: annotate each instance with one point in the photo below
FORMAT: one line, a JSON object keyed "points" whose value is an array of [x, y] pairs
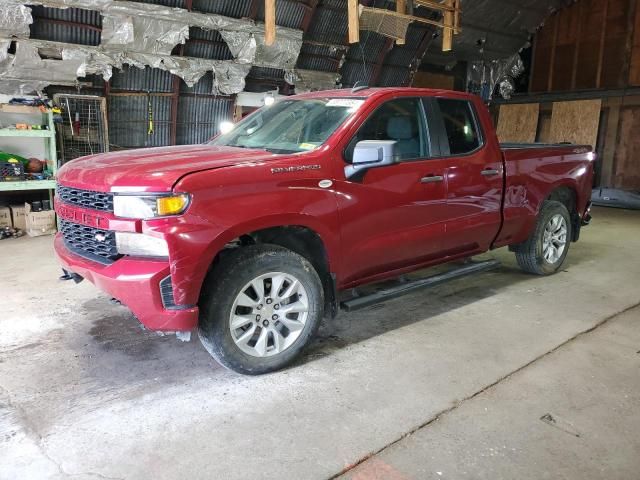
{"points": [[225, 127], [268, 100]]}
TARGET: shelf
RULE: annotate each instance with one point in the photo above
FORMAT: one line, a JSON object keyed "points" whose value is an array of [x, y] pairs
{"points": [[28, 185], [21, 109], [10, 132]]}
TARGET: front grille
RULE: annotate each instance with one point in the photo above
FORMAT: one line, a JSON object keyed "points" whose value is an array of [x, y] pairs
{"points": [[91, 243], [86, 198]]}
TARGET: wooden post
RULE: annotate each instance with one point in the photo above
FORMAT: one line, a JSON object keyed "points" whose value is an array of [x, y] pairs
{"points": [[401, 7], [576, 53], [603, 36], [552, 59], [269, 22], [447, 35], [610, 143], [354, 21]]}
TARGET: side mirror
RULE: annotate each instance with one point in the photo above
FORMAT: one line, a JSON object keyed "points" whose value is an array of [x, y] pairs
{"points": [[371, 154]]}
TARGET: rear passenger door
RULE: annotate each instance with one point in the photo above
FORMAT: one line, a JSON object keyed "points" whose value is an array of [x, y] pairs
{"points": [[473, 175]]}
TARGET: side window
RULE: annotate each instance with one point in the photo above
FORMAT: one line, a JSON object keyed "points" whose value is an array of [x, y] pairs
{"points": [[400, 120], [460, 125]]}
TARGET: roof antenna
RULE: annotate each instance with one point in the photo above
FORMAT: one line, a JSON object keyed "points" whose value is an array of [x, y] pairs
{"points": [[357, 88]]}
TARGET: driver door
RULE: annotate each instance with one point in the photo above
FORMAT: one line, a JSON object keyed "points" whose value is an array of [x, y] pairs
{"points": [[393, 217]]}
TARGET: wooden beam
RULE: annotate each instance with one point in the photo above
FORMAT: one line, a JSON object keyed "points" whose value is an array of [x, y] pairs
{"points": [[441, 7], [354, 21], [401, 7], [377, 69], [603, 36], [269, 22], [576, 53], [610, 143], [456, 15], [447, 35], [424, 45], [253, 9], [552, 59], [308, 16]]}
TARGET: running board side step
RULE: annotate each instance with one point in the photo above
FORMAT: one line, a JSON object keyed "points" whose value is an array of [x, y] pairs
{"points": [[408, 287]]}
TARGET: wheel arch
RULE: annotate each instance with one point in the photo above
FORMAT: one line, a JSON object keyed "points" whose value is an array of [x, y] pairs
{"points": [[306, 238], [567, 194]]}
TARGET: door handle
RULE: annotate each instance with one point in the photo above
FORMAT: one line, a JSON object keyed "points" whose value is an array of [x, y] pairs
{"points": [[432, 179], [489, 172]]}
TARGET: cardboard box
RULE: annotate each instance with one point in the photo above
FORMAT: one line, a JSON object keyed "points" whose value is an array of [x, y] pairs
{"points": [[40, 223], [5, 217], [18, 215]]}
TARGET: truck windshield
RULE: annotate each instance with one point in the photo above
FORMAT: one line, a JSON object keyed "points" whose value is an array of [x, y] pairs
{"points": [[290, 126]]}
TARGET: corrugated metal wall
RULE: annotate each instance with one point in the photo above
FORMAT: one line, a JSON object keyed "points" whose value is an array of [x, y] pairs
{"points": [[199, 117], [129, 120], [130, 91], [186, 115], [70, 25]]}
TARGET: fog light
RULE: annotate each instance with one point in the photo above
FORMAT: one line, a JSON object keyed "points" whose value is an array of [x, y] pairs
{"points": [[140, 245]]}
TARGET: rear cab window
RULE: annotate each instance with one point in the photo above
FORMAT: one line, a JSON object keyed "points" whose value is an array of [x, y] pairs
{"points": [[460, 126]]}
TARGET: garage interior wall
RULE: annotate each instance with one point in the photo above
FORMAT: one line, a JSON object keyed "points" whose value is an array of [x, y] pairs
{"points": [[187, 115], [591, 50]]}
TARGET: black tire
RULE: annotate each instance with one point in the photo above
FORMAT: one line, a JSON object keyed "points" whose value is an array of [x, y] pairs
{"points": [[235, 270], [530, 253]]}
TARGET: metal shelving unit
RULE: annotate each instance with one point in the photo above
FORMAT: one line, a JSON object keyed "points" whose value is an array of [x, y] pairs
{"points": [[49, 136]]}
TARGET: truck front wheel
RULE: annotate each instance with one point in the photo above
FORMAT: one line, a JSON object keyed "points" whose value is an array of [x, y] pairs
{"points": [[545, 250], [260, 308]]}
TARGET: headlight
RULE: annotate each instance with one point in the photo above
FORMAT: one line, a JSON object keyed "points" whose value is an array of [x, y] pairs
{"points": [[139, 244], [149, 206]]}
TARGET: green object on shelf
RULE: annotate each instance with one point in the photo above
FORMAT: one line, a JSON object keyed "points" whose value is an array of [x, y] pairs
{"points": [[6, 157]]}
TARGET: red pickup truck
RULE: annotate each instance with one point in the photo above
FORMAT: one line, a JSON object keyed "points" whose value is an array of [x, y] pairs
{"points": [[252, 237]]}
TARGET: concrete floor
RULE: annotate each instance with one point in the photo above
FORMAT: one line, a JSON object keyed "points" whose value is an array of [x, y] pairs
{"points": [[502, 375]]}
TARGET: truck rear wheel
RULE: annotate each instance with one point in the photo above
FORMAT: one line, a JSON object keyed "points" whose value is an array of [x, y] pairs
{"points": [[261, 306], [545, 250]]}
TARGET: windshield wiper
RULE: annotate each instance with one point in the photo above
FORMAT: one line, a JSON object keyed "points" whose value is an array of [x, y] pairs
{"points": [[279, 150]]}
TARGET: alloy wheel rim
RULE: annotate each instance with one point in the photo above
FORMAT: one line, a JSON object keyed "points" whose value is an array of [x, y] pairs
{"points": [[554, 240], [269, 314]]}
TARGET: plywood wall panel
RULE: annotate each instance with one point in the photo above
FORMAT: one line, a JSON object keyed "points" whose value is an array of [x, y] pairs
{"points": [[518, 122], [627, 155], [576, 122]]}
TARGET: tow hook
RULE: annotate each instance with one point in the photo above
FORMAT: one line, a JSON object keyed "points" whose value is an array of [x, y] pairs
{"points": [[71, 276]]}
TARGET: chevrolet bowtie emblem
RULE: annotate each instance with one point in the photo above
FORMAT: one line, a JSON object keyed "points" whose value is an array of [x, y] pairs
{"points": [[100, 237]]}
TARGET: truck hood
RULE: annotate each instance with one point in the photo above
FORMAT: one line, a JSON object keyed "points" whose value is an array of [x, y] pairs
{"points": [[151, 169]]}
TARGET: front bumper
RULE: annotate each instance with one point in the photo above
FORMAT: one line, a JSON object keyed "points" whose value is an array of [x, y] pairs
{"points": [[135, 283]]}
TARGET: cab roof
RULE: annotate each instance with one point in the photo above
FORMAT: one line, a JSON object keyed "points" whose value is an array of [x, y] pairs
{"points": [[382, 91]]}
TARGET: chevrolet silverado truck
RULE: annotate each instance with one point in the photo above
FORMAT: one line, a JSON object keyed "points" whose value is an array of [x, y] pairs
{"points": [[252, 238]]}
